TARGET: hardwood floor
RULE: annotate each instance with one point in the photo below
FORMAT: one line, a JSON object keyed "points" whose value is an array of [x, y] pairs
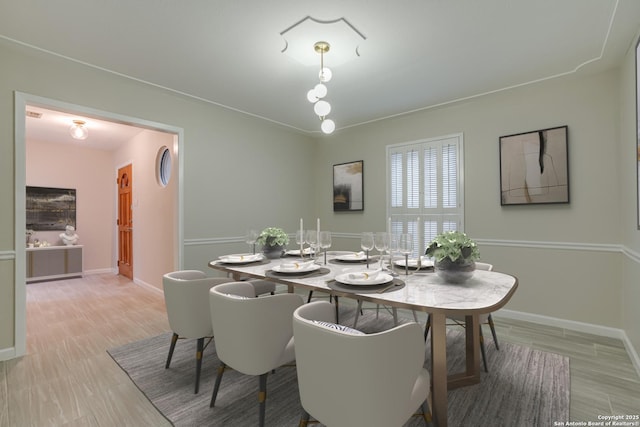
{"points": [[68, 379]]}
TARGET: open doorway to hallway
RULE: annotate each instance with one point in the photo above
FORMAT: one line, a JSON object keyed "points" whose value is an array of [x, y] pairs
{"points": [[91, 169]]}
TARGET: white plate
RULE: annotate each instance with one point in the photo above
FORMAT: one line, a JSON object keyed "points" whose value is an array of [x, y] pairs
{"points": [[240, 258], [352, 257], [378, 280], [304, 269], [413, 262]]}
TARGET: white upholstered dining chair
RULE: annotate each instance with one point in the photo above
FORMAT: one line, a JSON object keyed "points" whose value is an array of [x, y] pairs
{"points": [[373, 379], [186, 296], [253, 335], [482, 319]]}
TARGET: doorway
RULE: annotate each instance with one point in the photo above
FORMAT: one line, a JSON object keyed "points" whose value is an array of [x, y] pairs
{"points": [[23, 100]]}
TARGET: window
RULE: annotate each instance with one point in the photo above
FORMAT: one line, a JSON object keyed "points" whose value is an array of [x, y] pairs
{"points": [[163, 166], [425, 192]]}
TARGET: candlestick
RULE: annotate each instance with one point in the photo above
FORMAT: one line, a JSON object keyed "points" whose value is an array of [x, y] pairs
{"points": [[301, 239]]}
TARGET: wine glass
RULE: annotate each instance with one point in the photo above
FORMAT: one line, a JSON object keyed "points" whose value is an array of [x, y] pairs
{"points": [[250, 238], [381, 241], [367, 243], [325, 243], [311, 238], [405, 246], [300, 241]]}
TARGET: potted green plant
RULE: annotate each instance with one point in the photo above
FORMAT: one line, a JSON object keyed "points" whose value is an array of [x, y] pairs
{"points": [[454, 255], [273, 241]]}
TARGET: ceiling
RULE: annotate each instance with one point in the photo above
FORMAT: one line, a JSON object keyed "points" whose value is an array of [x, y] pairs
{"points": [[420, 54]]}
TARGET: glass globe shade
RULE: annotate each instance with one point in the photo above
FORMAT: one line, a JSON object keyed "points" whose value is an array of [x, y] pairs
{"points": [[78, 131], [311, 96], [325, 75], [322, 108], [320, 90], [327, 126]]}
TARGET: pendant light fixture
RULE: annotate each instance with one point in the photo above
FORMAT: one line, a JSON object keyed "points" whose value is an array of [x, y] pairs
{"points": [[316, 95], [78, 130]]}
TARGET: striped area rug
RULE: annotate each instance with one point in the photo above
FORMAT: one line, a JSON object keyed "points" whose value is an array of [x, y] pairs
{"points": [[524, 387]]}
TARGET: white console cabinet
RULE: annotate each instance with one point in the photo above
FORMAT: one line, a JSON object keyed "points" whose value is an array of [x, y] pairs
{"points": [[54, 262]]}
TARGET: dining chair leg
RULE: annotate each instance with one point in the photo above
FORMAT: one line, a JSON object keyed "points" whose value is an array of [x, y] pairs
{"points": [[174, 340], [427, 326], [493, 332], [426, 413], [358, 311], [199, 350], [262, 398], [482, 350], [216, 387], [304, 419]]}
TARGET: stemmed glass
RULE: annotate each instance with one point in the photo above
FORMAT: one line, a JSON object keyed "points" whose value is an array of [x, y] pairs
{"points": [[311, 238], [325, 243], [405, 246], [381, 241], [250, 239], [300, 241], [367, 243]]}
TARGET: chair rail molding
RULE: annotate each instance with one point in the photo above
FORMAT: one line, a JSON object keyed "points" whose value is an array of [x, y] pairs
{"points": [[7, 255]]}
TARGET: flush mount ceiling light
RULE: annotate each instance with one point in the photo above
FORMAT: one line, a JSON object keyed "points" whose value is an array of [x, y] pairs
{"points": [[78, 130]]}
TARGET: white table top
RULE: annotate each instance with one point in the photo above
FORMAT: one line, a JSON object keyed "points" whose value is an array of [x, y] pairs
{"points": [[485, 292]]}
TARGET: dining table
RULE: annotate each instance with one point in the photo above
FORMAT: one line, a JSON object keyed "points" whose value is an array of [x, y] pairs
{"points": [[420, 290]]}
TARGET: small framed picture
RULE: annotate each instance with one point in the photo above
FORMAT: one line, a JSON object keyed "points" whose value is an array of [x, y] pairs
{"points": [[348, 192], [534, 167]]}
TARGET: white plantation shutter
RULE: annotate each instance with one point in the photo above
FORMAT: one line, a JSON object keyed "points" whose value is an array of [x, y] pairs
{"points": [[425, 181]]}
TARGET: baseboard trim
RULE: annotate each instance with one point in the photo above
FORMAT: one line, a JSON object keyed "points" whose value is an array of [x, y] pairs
{"points": [[573, 325], [7, 353], [98, 271], [147, 286]]}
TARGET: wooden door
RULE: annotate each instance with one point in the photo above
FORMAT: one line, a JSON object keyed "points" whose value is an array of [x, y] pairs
{"points": [[125, 221]]}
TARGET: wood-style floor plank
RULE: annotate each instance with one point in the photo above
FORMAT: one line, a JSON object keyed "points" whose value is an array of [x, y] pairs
{"points": [[68, 379]]}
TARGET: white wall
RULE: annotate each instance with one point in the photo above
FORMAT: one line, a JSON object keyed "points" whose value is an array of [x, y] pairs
{"points": [[154, 207], [90, 172]]}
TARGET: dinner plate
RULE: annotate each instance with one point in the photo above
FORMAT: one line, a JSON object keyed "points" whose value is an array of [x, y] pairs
{"points": [[378, 280], [303, 269], [352, 257], [240, 258], [413, 262]]}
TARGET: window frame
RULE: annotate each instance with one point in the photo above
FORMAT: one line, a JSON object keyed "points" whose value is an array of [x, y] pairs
{"points": [[404, 219]]}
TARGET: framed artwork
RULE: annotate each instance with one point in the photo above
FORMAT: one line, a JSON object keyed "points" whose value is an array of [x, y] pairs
{"points": [[638, 128], [534, 167], [50, 208], [348, 194]]}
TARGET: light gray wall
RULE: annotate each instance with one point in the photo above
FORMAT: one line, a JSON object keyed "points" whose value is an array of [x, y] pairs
{"points": [[239, 171], [580, 283], [243, 172], [630, 235]]}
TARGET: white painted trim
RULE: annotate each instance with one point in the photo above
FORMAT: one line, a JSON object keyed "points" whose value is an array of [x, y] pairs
{"points": [[7, 255], [20, 103], [7, 353], [589, 328], [147, 286], [100, 271], [601, 247]]}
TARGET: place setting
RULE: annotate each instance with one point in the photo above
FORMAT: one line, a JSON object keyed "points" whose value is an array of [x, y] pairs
{"points": [[241, 259], [363, 282], [297, 269]]}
